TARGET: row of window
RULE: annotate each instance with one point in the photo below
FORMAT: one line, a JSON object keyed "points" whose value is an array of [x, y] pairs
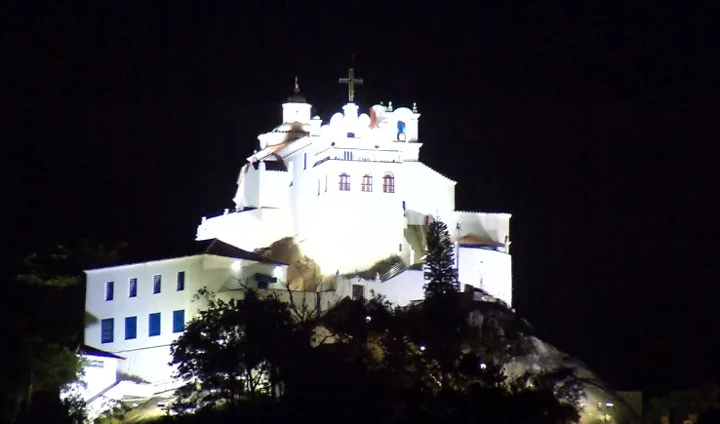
{"points": [[388, 183], [107, 326], [133, 286]]}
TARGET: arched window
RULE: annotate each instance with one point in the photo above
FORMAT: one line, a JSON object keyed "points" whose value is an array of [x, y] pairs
{"points": [[388, 183], [366, 183], [344, 182]]}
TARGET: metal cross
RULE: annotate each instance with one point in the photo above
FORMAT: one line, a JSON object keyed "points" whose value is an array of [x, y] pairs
{"points": [[351, 81]]}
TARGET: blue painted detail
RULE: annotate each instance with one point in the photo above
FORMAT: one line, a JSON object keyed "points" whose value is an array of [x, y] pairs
{"points": [[179, 321], [181, 280], [132, 288], [401, 127], [130, 328], [107, 330], [157, 284], [154, 324]]}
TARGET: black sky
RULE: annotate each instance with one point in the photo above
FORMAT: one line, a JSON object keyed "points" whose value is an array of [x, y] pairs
{"points": [[589, 124]]}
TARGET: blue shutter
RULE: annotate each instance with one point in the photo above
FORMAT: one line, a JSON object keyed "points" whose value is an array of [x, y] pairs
{"points": [[107, 328], [109, 290], [181, 281], [179, 321], [157, 284], [130, 328], [154, 325], [133, 288]]}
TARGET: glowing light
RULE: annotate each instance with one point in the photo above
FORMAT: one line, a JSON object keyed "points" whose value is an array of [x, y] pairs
{"points": [[483, 365], [278, 272], [422, 348], [609, 404], [235, 266], [367, 318]]}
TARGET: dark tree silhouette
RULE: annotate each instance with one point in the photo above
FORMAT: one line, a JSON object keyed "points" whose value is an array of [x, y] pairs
{"points": [[440, 272]]}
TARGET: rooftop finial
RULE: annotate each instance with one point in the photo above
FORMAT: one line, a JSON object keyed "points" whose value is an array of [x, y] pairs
{"points": [[297, 85]]}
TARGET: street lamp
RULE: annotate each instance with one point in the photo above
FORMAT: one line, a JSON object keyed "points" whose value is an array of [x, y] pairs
{"points": [[603, 409]]}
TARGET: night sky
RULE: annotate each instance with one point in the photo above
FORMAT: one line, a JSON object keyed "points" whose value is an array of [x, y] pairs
{"points": [[587, 124]]}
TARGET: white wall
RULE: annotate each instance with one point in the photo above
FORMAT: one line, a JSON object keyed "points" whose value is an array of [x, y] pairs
{"points": [[487, 269], [402, 289], [141, 306], [99, 373], [148, 356], [250, 229]]}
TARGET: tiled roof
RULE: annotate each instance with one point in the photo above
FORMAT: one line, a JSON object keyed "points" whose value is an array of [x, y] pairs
{"points": [[208, 247], [93, 351], [475, 240], [220, 248]]}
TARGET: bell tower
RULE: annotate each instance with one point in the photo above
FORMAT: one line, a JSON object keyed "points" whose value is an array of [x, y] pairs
{"points": [[296, 109]]}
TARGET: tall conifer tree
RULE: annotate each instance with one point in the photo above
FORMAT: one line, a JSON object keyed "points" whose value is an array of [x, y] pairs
{"points": [[440, 272]]}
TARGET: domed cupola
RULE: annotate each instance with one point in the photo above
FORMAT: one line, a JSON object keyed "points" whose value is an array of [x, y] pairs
{"points": [[296, 109]]}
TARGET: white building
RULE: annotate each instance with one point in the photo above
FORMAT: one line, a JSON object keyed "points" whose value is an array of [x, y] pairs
{"points": [[350, 192]]}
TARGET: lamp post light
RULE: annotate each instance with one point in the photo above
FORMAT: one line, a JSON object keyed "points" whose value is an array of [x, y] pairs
{"points": [[603, 407]]}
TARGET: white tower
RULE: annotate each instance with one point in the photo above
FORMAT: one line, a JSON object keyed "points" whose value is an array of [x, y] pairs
{"points": [[296, 109]]}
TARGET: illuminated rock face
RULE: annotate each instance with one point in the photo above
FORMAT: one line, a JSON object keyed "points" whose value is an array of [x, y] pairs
{"points": [[351, 191]]}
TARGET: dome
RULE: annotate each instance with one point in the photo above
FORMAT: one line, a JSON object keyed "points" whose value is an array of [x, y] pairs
{"points": [[297, 97]]}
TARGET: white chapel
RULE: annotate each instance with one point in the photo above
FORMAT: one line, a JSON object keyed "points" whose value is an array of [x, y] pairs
{"points": [[352, 191], [349, 191]]}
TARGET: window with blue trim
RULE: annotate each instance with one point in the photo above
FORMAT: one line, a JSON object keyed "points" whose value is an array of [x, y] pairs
{"points": [[344, 180], [264, 281], [388, 183], [109, 290], [130, 328], [179, 321], [157, 284], [154, 324], [107, 330], [181, 281], [132, 287]]}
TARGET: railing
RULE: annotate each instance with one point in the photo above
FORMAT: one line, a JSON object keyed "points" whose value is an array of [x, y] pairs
{"points": [[393, 271]]}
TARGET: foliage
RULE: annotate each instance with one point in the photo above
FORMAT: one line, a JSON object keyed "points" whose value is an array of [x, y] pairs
{"points": [[44, 326], [131, 377], [411, 364], [225, 355], [380, 267], [440, 272], [682, 403]]}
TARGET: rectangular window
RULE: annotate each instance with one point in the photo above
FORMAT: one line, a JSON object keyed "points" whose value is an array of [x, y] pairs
{"points": [[388, 184], [181, 281], [358, 292], [107, 330], [344, 181], [157, 284], [179, 321], [304, 160], [318, 186], [109, 290], [130, 328], [325, 183], [154, 324], [132, 287], [366, 185], [400, 247]]}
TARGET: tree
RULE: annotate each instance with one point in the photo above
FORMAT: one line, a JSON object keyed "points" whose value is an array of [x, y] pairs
{"points": [[45, 304], [395, 359], [226, 354], [440, 272]]}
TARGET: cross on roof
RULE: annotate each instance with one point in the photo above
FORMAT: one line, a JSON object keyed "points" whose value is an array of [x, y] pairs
{"points": [[351, 81]]}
